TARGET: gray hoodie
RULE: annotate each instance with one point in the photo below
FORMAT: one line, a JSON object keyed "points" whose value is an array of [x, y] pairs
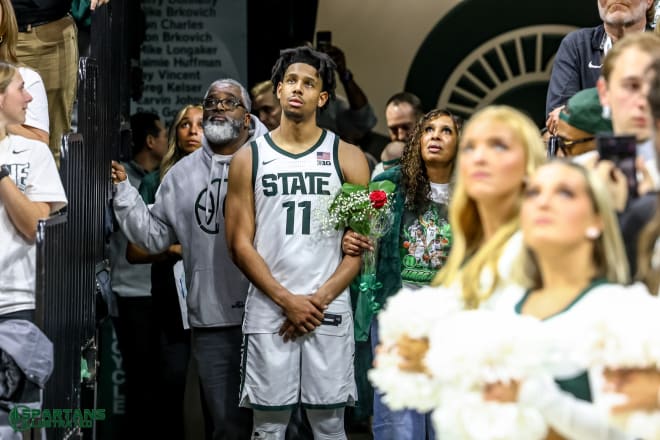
{"points": [[188, 209]]}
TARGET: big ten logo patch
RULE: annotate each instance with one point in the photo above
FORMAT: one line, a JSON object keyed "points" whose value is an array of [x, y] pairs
{"points": [[208, 204], [323, 158]]}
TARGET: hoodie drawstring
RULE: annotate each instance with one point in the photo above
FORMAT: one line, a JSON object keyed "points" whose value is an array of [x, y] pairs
{"points": [[213, 175]]}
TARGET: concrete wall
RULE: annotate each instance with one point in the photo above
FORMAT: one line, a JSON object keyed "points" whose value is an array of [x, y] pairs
{"points": [[430, 47], [380, 39]]}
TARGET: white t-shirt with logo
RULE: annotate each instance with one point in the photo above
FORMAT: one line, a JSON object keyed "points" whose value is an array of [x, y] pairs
{"points": [[34, 172]]}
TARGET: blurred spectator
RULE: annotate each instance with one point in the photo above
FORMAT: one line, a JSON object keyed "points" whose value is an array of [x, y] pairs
{"points": [[132, 284], [389, 157], [185, 136], [402, 111], [579, 58], [578, 124], [265, 105], [623, 93], [351, 120], [643, 214]]}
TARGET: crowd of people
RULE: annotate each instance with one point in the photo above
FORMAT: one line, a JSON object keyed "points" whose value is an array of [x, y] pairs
{"points": [[219, 252], [38, 76]]}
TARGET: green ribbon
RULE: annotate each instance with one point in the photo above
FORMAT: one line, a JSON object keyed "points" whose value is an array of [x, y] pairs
{"points": [[367, 306], [368, 288]]}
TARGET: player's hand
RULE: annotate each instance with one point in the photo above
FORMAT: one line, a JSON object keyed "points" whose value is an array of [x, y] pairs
{"points": [[118, 172], [353, 244], [289, 331], [304, 312]]}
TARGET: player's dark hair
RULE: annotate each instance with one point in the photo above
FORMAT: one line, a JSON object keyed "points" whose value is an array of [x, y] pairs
{"points": [[304, 54]]}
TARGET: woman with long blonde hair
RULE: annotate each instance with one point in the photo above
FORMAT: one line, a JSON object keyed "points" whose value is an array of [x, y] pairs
{"points": [[185, 136], [573, 266], [500, 147]]}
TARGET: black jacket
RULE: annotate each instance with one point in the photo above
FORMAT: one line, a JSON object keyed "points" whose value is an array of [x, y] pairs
{"points": [[576, 66]]}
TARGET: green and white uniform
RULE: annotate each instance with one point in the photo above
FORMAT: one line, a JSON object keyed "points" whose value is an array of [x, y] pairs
{"points": [[291, 192]]}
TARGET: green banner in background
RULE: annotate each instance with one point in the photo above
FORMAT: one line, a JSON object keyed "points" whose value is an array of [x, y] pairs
{"points": [[111, 379]]}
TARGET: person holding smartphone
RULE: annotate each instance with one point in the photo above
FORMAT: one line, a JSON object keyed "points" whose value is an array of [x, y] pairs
{"points": [[623, 89], [352, 118], [644, 211], [578, 62]]}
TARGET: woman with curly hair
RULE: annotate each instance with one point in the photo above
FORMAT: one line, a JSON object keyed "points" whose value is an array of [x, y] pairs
{"points": [[418, 243]]}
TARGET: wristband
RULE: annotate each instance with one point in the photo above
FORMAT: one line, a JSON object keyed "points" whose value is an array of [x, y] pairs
{"points": [[4, 171]]}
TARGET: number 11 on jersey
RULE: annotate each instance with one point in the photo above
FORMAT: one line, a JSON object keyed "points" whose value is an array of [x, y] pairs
{"points": [[291, 216]]}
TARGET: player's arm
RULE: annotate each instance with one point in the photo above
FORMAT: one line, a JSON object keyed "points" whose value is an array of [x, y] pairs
{"points": [[355, 169], [239, 232]]}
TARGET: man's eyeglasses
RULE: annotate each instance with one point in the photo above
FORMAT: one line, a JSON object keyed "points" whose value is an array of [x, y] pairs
{"points": [[557, 142], [227, 104]]}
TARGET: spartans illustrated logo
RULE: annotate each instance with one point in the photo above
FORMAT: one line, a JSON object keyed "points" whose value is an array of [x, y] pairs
{"points": [[207, 207], [22, 418]]}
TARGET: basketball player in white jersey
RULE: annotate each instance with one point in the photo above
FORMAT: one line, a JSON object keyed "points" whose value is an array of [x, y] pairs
{"points": [[298, 327]]}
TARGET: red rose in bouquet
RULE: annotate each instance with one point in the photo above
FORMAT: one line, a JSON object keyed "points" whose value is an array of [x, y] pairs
{"points": [[378, 198]]}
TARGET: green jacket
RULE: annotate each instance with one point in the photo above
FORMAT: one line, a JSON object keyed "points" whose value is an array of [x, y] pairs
{"points": [[388, 264]]}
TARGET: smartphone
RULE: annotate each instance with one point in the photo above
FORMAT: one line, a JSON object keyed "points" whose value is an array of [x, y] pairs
{"points": [[622, 150], [323, 40], [125, 145]]}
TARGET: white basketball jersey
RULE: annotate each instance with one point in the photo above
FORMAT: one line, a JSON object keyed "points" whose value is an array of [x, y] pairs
{"points": [[291, 194]]}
